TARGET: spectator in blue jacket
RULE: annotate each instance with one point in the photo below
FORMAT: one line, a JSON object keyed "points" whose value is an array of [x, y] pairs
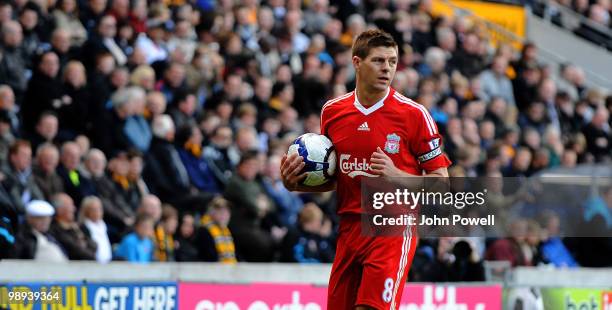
{"points": [[552, 248], [189, 146], [137, 247]]}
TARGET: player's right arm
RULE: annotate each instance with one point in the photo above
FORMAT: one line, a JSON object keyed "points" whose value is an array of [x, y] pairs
{"points": [[292, 178]]}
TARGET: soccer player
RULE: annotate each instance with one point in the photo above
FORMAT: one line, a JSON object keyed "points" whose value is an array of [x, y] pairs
{"points": [[377, 132]]}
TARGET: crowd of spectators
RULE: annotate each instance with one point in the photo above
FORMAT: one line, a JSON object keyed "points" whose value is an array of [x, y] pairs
{"points": [[590, 19], [162, 123]]}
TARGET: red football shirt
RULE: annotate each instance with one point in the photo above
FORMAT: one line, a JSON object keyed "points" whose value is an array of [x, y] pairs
{"points": [[403, 129]]}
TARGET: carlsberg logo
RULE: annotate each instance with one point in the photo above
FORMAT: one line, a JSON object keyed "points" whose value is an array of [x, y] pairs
{"points": [[354, 167]]}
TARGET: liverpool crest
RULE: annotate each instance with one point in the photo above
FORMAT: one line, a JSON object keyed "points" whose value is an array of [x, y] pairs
{"points": [[393, 143]]}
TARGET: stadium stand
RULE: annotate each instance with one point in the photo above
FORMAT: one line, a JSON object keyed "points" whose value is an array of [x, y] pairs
{"points": [[153, 106]]}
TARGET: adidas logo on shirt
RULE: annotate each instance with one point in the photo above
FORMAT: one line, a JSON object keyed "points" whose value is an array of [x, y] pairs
{"points": [[363, 127]]}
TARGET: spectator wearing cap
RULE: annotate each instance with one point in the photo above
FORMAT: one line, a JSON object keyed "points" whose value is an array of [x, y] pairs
{"points": [[65, 229], [91, 215], [138, 247], [189, 145], [34, 240], [152, 43], [214, 239], [19, 181], [76, 184], [13, 62], [45, 175]]}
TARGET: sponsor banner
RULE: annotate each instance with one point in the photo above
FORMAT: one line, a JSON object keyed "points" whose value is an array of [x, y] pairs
{"points": [[262, 296], [558, 298], [256, 296], [430, 296], [510, 17], [91, 296]]}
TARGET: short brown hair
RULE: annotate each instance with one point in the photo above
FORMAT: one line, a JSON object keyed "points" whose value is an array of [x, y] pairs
{"points": [[168, 212], [18, 144], [218, 203], [370, 39]]}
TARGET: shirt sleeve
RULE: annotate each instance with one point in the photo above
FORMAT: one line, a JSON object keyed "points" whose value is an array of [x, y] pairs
{"points": [[324, 120], [427, 143]]}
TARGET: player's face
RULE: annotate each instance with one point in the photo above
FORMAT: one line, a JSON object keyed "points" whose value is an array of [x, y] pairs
{"points": [[378, 68]]}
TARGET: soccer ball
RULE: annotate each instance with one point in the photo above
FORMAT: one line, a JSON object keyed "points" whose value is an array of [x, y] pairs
{"points": [[525, 298], [319, 155]]}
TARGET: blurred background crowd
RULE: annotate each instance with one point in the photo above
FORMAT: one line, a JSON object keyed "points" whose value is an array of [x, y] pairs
{"points": [[153, 130]]}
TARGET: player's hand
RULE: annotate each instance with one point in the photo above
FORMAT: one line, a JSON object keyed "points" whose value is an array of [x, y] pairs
{"points": [[381, 164], [290, 171]]}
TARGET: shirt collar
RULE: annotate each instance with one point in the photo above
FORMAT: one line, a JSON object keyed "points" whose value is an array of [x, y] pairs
{"points": [[372, 108]]}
